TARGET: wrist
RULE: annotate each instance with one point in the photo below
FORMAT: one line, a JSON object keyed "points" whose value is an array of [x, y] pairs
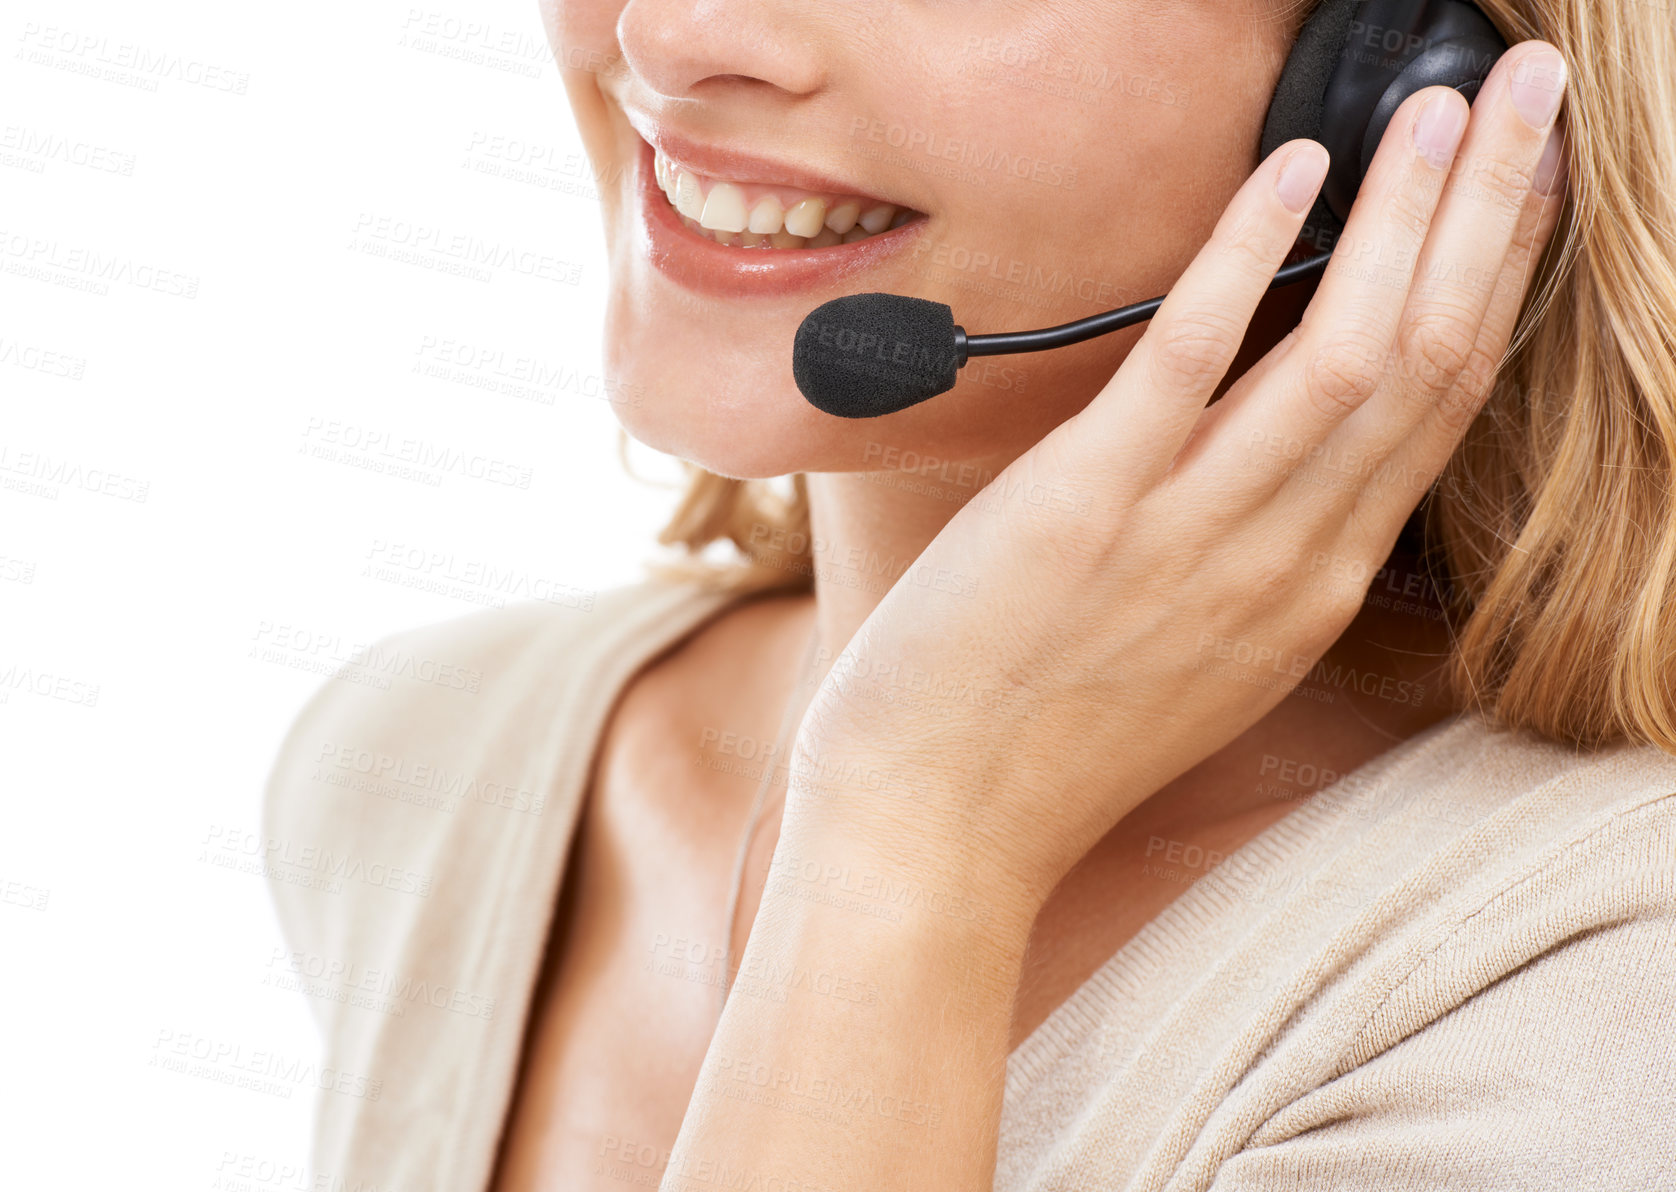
{"points": [[901, 878], [922, 815]]}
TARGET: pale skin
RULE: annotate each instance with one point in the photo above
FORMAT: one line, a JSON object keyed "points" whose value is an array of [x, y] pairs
{"points": [[1023, 821]]}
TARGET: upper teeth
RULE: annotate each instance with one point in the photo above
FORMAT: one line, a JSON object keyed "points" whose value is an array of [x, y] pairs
{"points": [[751, 216]]}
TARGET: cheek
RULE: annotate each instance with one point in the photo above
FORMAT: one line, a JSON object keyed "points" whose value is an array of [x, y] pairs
{"points": [[585, 24], [1087, 150]]}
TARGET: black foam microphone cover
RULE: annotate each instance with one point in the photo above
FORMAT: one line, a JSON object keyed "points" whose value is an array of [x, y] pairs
{"points": [[864, 355]]}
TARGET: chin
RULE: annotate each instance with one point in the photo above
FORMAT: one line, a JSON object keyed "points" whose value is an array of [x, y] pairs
{"points": [[724, 402], [728, 403], [743, 442]]}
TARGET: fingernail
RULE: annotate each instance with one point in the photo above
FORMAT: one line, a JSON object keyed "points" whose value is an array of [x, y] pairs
{"points": [[1302, 176], [1438, 128], [1549, 179], [1538, 86]]}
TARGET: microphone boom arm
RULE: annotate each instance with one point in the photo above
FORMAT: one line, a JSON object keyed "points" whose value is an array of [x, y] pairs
{"points": [[1007, 342]]}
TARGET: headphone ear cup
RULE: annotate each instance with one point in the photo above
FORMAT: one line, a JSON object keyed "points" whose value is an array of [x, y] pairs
{"points": [[1353, 65], [1296, 109], [1462, 63]]}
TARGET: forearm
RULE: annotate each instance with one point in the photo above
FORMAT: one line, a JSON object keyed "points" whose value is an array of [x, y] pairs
{"points": [[883, 1066]]}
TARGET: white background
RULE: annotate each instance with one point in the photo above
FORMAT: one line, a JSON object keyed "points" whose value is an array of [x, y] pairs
{"points": [[188, 470]]}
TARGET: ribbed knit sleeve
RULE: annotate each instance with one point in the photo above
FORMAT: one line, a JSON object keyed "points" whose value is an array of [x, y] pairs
{"points": [[1533, 1046]]}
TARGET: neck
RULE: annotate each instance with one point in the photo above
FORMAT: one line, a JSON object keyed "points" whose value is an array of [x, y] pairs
{"points": [[868, 528]]}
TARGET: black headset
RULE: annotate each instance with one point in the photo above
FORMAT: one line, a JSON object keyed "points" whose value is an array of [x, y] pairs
{"points": [[1352, 66]]}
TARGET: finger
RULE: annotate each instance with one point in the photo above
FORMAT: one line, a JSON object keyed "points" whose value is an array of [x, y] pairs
{"points": [[1142, 417], [1411, 466], [1337, 356], [1464, 264]]}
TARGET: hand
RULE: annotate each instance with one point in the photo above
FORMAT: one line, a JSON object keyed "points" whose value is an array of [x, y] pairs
{"points": [[1100, 644]]}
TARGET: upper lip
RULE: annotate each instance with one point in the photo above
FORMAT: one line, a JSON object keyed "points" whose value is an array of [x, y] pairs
{"points": [[719, 161]]}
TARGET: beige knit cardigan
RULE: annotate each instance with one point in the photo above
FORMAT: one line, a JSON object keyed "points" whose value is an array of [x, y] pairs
{"points": [[1454, 968]]}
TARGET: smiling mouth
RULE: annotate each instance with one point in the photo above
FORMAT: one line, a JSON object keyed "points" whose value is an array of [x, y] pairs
{"points": [[752, 215]]}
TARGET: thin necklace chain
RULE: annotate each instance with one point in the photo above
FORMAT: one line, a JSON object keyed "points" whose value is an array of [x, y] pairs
{"points": [[768, 766]]}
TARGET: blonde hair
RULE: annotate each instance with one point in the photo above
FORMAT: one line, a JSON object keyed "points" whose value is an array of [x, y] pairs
{"points": [[1553, 521]]}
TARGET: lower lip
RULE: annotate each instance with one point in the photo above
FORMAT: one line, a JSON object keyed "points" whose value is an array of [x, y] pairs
{"points": [[701, 264]]}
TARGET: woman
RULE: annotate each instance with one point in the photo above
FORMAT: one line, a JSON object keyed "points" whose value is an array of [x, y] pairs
{"points": [[1112, 791]]}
